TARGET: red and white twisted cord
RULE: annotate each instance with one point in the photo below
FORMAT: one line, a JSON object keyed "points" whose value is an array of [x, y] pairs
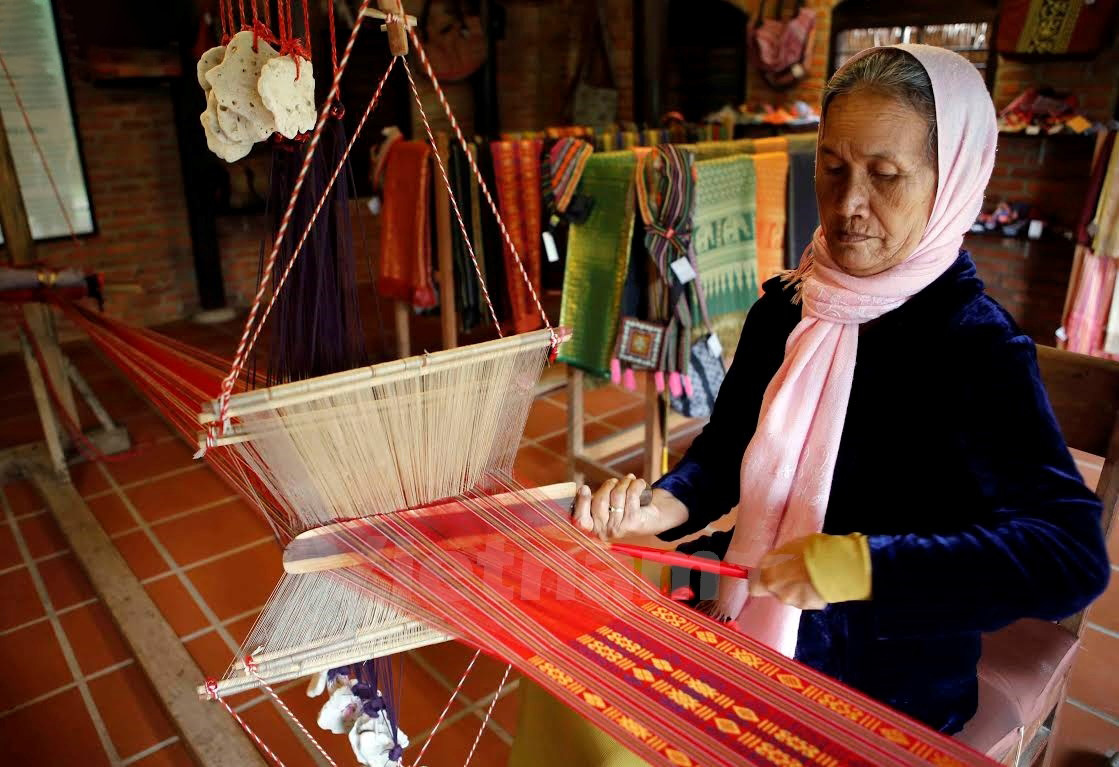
{"points": [[212, 686], [442, 716], [250, 664], [489, 713], [454, 202], [477, 174]]}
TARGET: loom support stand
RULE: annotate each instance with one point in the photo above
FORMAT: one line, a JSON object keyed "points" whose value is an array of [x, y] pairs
{"points": [[594, 463]]}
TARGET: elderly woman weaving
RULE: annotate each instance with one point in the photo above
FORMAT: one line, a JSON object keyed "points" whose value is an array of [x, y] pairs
{"points": [[883, 430]]}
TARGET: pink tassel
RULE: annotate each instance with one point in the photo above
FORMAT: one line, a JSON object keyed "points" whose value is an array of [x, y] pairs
{"points": [[616, 371], [629, 380], [674, 384], [658, 378], [687, 381]]}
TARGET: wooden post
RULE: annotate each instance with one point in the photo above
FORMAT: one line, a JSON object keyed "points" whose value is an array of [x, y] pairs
{"points": [[443, 234], [21, 251], [655, 419], [401, 314], [41, 322], [13, 215], [51, 431], [575, 424], [398, 35]]}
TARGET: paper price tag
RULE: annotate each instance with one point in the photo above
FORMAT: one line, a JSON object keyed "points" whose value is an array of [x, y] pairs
{"points": [[683, 270], [550, 250], [714, 346]]}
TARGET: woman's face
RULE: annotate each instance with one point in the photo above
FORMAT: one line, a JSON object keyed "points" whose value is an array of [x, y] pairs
{"points": [[875, 183]]}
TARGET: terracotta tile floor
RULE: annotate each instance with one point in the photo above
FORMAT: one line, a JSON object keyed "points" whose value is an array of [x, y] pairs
{"points": [[187, 538]]}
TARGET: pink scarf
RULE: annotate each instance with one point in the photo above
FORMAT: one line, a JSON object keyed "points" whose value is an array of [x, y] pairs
{"points": [[788, 465]]}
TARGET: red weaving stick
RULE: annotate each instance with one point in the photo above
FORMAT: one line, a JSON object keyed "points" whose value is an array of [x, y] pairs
{"points": [[680, 559]]}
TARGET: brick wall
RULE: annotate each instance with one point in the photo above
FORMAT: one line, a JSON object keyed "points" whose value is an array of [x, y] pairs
{"points": [[135, 185], [1031, 278]]}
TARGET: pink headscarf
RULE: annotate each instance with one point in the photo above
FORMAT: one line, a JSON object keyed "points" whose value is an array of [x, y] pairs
{"points": [[788, 465]]}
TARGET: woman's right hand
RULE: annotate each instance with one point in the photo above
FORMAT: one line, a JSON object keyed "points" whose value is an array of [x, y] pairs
{"points": [[615, 511]]}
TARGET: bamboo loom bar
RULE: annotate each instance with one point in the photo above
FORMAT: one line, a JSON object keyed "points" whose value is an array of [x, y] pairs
{"points": [[302, 557], [356, 650], [299, 392]]}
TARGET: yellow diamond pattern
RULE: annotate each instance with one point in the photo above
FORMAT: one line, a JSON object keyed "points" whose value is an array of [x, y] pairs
{"points": [[594, 700], [746, 714], [707, 636], [663, 665], [643, 674], [727, 726], [895, 736], [790, 681], [678, 758]]}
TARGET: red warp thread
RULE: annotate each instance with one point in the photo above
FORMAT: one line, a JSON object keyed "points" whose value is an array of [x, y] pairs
{"points": [[281, 27], [333, 42], [306, 35], [226, 13]]}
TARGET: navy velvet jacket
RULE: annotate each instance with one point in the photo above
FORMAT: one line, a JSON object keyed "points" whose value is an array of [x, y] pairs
{"points": [[951, 462]]}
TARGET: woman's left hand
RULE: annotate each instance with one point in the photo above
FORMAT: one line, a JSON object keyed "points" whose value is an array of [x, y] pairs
{"points": [[783, 573]]}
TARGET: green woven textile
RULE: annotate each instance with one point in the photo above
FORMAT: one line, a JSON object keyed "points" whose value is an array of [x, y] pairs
{"points": [[711, 150], [725, 244], [597, 260]]}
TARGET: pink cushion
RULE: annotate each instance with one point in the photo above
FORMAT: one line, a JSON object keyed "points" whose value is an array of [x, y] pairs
{"points": [[1021, 669], [995, 728], [1028, 660]]}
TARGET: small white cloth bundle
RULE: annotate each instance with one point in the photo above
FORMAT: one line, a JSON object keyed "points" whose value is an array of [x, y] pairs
{"points": [[370, 734]]}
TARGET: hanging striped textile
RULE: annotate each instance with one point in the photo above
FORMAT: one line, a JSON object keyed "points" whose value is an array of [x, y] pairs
{"points": [[468, 295], [569, 159], [1087, 320], [772, 170], [597, 260], [517, 170], [800, 209], [404, 269]]}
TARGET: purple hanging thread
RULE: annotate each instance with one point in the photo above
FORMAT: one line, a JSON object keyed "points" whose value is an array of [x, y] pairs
{"points": [[315, 327]]}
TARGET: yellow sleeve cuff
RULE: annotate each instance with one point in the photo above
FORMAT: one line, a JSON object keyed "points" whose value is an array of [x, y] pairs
{"points": [[839, 566]]}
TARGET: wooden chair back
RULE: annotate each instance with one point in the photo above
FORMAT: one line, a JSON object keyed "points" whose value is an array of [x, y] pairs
{"points": [[1084, 394]]}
